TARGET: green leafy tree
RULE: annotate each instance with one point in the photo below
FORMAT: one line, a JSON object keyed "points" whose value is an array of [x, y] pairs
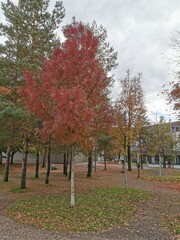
{"points": [[143, 142], [162, 141], [11, 119], [30, 36], [106, 53], [106, 144]]}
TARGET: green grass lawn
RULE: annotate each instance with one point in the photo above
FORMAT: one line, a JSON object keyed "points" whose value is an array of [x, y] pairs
{"points": [[174, 224], [18, 190], [98, 210], [162, 179]]}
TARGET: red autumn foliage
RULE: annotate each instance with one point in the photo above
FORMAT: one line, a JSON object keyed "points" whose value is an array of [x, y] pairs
{"points": [[68, 94], [175, 95]]}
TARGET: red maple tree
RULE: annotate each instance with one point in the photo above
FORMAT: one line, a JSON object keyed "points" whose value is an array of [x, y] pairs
{"points": [[69, 93], [173, 95]]}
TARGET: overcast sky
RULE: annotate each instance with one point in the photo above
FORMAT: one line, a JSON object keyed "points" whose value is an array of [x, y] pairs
{"points": [[140, 31]]}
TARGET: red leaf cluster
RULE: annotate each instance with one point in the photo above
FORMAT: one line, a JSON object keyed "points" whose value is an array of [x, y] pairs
{"points": [[175, 95], [68, 94]]}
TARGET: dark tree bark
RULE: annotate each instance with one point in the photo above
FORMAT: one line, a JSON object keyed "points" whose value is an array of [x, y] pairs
{"points": [[6, 173], [129, 158], [65, 163], [44, 157], [105, 167], [164, 162], [24, 163], [123, 166], [37, 164], [70, 166], [89, 173], [95, 161], [1, 157], [48, 161], [12, 157], [141, 162], [138, 169]]}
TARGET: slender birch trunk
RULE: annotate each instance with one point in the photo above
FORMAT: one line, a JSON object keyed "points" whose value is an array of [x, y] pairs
{"points": [[72, 179], [48, 161]]}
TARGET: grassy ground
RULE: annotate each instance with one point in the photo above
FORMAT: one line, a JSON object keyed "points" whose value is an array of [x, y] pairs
{"points": [[173, 223], [162, 179], [52, 201], [101, 209], [152, 174]]}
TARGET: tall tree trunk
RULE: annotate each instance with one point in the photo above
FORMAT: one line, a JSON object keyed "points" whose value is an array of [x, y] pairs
{"points": [[72, 178], [95, 160], [123, 166], [160, 166], [89, 164], [105, 161], [125, 173], [70, 167], [141, 162], [37, 164], [124, 160], [138, 165], [48, 161], [67, 163], [12, 157], [64, 163], [129, 158], [138, 169], [1, 157], [6, 173], [146, 158], [164, 162], [24, 163], [44, 157]]}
